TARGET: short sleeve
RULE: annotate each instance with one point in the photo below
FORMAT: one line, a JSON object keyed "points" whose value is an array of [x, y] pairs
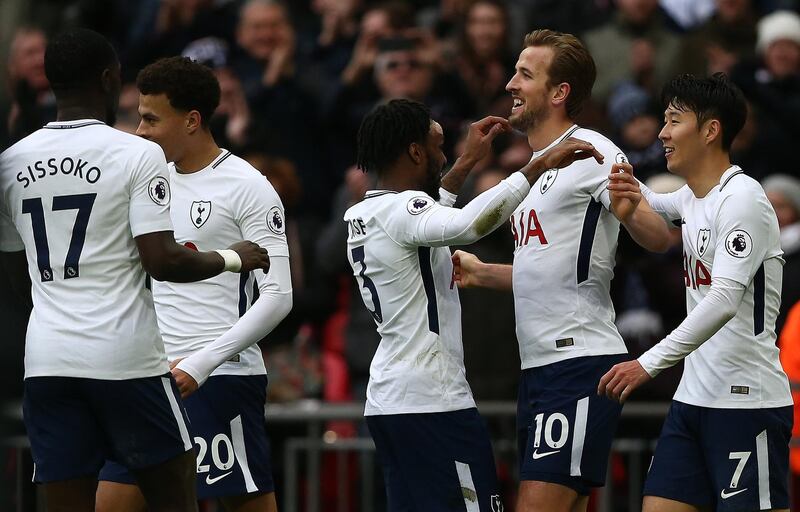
{"points": [[742, 227], [149, 192], [261, 217], [592, 178]]}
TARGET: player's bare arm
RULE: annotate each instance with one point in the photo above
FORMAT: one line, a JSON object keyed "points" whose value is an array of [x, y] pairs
{"points": [[166, 260], [470, 272], [646, 227], [477, 146]]}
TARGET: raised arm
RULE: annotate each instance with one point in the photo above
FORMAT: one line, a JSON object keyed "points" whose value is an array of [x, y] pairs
{"points": [[441, 226]]}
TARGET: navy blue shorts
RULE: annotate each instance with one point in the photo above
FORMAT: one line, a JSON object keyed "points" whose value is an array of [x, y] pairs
{"points": [[230, 437], [726, 459], [436, 462], [75, 424], [564, 428]]}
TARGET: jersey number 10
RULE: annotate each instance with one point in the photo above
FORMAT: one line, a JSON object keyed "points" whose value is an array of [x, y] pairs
{"points": [[81, 202]]}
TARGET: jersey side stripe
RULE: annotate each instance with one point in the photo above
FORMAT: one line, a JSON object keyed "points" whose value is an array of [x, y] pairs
{"points": [[424, 254], [759, 301], [587, 239], [243, 293]]}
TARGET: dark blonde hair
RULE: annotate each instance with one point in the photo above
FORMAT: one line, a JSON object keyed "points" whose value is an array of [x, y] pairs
{"points": [[572, 63]]}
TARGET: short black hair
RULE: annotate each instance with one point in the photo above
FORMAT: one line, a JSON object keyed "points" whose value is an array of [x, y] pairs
{"points": [[387, 131], [714, 97], [188, 85], [76, 59]]}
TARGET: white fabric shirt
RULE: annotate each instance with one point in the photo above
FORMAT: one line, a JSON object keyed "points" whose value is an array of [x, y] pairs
{"points": [[212, 208], [565, 238], [76, 194], [731, 233], [397, 246]]}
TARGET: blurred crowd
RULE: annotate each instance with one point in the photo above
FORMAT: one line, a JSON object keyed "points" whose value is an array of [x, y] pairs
{"points": [[297, 77]]}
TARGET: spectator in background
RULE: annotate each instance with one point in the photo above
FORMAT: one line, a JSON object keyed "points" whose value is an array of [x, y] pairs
{"points": [[636, 122], [727, 38], [284, 115], [33, 104], [635, 46], [772, 85], [783, 192], [484, 61]]}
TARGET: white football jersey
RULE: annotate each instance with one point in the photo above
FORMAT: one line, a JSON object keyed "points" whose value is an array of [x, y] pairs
{"points": [[409, 289], [565, 239], [224, 203], [731, 233], [77, 193]]}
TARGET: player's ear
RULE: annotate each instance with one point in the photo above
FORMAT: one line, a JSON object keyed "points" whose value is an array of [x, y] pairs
{"points": [[415, 153], [194, 121], [712, 131], [561, 93]]}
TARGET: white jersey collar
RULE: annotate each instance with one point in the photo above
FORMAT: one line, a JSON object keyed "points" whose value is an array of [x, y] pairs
{"points": [[75, 123], [732, 171], [572, 129]]}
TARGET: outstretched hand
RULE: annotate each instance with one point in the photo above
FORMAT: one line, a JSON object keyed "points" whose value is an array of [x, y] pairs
{"points": [[465, 267]]}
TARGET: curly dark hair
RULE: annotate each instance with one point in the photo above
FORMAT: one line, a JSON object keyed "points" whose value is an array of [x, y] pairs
{"points": [[387, 131], [188, 85]]}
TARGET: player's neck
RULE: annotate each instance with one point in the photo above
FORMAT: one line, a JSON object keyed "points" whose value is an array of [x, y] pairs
{"points": [[545, 133], [198, 154], [72, 109], [397, 181], [708, 173]]}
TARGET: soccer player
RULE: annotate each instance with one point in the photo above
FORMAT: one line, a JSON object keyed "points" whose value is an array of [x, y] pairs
{"points": [[724, 444], [432, 443], [565, 234], [209, 327], [90, 206]]}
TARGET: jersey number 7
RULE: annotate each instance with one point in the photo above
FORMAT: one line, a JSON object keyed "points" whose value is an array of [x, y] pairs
{"points": [[81, 202]]}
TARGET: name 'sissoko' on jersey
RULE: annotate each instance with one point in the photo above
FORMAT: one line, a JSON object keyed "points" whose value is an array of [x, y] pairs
{"points": [[68, 166]]}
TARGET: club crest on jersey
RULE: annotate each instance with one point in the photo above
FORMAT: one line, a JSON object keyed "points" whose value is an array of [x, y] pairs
{"points": [[703, 238], [159, 190], [497, 504], [548, 178], [200, 212], [738, 243], [621, 159], [418, 205], [275, 221]]}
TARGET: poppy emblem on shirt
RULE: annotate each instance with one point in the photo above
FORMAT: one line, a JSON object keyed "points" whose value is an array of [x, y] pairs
{"points": [[703, 238], [738, 243], [158, 188], [200, 212], [275, 221], [418, 205], [547, 180]]}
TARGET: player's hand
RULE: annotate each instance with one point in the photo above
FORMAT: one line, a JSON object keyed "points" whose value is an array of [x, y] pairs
{"points": [[480, 136], [465, 269], [186, 384], [252, 255], [620, 381], [624, 190], [563, 154]]}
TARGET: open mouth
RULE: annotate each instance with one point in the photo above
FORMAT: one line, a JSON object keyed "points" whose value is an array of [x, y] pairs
{"points": [[518, 105], [668, 151]]}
